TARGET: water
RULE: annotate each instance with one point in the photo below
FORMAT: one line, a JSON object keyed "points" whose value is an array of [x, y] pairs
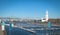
{"points": [[19, 31]]}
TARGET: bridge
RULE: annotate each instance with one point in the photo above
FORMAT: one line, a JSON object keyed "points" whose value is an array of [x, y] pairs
{"points": [[15, 19]]}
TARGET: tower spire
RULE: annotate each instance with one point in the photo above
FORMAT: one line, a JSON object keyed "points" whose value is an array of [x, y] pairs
{"points": [[46, 15]]}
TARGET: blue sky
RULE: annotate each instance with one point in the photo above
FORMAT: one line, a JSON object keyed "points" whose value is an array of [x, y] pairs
{"points": [[30, 8]]}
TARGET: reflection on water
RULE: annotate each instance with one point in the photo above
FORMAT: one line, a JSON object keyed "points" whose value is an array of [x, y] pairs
{"points": [[18, 31]]}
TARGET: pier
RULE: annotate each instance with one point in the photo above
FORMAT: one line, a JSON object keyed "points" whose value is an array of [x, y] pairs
{"points": [[30, 30], [33, 30], [1, 32]]}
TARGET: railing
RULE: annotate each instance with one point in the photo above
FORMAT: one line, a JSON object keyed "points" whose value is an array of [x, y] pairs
{"points": [[45, 30]]}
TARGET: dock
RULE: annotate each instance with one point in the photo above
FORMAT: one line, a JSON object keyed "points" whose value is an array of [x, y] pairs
{"points": [[33, 30], [30, 30]]}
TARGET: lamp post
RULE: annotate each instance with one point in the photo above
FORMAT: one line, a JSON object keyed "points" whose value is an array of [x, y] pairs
{"points": [[10, 28], [49, 27], [3, 28]]}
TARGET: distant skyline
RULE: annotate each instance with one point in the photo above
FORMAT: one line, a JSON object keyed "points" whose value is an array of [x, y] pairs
{"points": [[30, 8]]}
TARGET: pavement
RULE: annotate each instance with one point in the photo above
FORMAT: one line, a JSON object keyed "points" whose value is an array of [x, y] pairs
{"points": [[1, 32]]}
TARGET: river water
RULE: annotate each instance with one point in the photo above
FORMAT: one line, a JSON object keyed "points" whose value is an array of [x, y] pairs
{"points": [[19, 31]]}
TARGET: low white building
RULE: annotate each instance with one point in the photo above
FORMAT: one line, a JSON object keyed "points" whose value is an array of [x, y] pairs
{"points": [[46, 17]]}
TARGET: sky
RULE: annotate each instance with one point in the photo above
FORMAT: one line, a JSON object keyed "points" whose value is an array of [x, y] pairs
{"points": [[29, 8]]}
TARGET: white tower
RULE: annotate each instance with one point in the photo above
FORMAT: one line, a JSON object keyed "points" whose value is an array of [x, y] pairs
{"points": [[46, 17]]}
